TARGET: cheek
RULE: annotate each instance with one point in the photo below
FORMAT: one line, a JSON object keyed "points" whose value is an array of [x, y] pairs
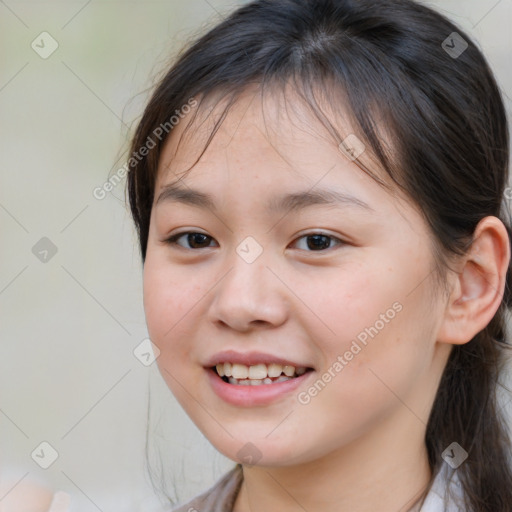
{"points": [[372, 321], [169, 300], [349, 301]]}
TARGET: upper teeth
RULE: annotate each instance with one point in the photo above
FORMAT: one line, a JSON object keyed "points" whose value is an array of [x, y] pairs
{"points": [[257, 371]]}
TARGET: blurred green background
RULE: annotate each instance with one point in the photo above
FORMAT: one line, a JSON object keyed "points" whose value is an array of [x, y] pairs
{"points": [[71, 317]]}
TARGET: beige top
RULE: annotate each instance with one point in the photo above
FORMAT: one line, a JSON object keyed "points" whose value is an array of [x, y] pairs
{"points": [[222, 496], [219, 498]]}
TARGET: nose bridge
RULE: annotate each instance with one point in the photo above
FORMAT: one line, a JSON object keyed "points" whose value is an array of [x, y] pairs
{"points": [[249, 292]]}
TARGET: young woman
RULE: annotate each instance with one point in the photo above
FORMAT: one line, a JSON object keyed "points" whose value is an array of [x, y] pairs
{"points": [[318, 188]]}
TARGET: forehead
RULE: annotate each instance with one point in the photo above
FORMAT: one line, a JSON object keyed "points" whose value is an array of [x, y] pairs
{"points": [[274, 132]]}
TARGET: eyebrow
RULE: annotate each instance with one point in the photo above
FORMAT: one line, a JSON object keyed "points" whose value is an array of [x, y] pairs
{"points": [[289, 202]]}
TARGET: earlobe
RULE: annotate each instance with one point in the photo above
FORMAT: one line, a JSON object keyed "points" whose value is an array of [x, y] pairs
{"points": [[479, 285]]}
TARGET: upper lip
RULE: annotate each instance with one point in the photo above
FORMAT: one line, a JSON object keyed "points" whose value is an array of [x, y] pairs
{"points": [[251, 359]]}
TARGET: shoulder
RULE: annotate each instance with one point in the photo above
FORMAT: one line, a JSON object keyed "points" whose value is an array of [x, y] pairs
{"points": [[219, 498], [446, 494]]}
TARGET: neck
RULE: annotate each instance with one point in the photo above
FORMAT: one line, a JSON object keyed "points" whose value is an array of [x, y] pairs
{"points": [[385, 472]]}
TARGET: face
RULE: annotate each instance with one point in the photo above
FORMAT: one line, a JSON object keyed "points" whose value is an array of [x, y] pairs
{"points": [[341, 287]]}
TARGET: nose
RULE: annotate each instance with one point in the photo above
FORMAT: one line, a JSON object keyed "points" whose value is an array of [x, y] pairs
{"points": [[250, 295]]}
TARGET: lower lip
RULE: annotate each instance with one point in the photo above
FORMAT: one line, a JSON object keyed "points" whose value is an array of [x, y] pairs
{"points": [[248, 396]]}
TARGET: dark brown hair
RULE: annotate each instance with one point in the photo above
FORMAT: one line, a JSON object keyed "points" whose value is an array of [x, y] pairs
{"points": [[391, 63]]}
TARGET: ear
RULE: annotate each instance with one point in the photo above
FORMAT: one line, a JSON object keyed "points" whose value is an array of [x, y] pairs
{"points": [[478, 288]]}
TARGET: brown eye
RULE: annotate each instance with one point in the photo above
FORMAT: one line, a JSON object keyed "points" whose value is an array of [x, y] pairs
{"points": [[319, 241], [194, 239]]}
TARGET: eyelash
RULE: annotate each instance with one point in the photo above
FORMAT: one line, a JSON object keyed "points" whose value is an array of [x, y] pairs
{"points": [[172, 240]]}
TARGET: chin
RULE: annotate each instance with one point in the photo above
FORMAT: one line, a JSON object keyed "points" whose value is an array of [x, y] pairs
{"points": [[257, 451]]}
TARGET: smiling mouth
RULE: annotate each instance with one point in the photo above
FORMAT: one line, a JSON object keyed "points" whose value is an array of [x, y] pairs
{"points": [[256, 375]]}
